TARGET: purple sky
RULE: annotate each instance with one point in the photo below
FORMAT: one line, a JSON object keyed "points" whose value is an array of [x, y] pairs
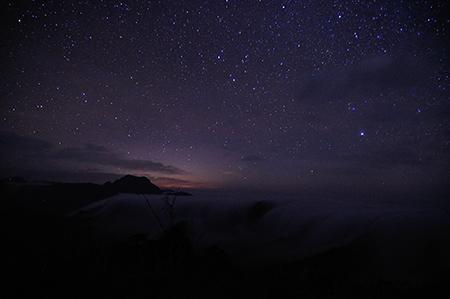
{"points": [[227, 94]]}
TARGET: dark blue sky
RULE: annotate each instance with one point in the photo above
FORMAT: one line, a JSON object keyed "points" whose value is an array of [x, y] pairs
{"points": [[228, 94]]}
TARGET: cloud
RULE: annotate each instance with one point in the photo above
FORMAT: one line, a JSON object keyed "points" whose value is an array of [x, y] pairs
{"points": [[378, 74], [101, 156], [72, 176], [10, 142], [387, 158], [32, 154], [170, 182]]}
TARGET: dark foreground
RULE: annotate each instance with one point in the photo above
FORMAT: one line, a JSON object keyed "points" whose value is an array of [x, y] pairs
{"points": [[47, 255]]}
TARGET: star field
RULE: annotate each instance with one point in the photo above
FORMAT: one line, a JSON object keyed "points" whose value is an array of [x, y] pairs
{"points": [[239, 94]]}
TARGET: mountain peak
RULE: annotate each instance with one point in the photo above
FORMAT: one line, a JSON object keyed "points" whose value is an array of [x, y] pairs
{"points": [[135, 184]]}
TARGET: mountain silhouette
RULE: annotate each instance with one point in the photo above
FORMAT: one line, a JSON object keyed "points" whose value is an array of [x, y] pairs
{"points": [[135, 184]]}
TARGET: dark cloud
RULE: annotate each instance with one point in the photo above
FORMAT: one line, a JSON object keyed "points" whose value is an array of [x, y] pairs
{"points": [[101, 156], [72, 176], [375, 75], [387, 158], [10, 142], [170, 182], [22, 152]]}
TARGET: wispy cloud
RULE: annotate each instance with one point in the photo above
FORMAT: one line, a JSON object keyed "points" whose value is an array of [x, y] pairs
{"points": [[30, 153], [102, 156], [370, 76]]}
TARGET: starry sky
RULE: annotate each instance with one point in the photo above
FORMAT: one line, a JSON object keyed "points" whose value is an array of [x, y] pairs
{"points": [[276, 95]]}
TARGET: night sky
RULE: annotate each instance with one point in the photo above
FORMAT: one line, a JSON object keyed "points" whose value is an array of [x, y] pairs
{"points": [[273, 95]]}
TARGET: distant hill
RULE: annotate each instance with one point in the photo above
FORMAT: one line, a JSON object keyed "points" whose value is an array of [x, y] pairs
{"points": [[64, 197], [134, 184]]}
